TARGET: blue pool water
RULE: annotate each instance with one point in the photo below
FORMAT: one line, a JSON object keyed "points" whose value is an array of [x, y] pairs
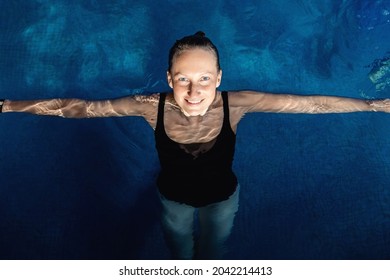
{"points": [[313, 186]]}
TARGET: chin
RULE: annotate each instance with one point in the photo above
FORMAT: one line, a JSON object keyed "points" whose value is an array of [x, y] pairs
{"points": [[192, 113], [195, 109]]}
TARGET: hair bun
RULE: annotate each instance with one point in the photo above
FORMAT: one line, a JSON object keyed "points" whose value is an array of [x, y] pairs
{"points": [[200, 34]]}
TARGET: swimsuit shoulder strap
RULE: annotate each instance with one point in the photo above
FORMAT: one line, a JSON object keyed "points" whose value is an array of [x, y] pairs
{"points": [[226, 118], [160, 114]]}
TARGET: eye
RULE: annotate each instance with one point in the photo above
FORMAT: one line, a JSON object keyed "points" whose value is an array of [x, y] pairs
{"points": [[182, 79], [205, 78]]}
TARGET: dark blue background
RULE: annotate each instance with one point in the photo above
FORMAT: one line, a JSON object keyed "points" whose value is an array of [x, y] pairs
{"points": [[313, 186]]}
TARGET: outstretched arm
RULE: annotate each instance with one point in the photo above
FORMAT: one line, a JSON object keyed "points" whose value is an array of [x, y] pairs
{"points": [[77, 108], [251, 101]]}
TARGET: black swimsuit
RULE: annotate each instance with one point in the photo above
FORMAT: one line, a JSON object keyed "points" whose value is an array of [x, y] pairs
{"points": [[196, 174]]}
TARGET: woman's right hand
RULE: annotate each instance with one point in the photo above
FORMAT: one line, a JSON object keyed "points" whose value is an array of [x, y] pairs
{"points": [[1, 105]]}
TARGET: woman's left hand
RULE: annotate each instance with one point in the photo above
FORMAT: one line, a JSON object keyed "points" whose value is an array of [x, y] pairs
{"points": [[380, 105]]}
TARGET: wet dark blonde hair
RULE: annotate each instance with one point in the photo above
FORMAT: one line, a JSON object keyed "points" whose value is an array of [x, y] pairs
{"points": [[198, 40]]}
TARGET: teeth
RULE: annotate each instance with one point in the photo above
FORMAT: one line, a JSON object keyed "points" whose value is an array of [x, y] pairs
{"points": [[194, 102]]}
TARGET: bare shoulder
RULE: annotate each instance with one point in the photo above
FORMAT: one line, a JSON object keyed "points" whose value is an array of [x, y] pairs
{"points": [[147, 106], [244, 98], [239, 104], [234, 98]]}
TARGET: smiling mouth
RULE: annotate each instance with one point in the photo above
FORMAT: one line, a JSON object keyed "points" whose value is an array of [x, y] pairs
{"points": [[194, 102]]}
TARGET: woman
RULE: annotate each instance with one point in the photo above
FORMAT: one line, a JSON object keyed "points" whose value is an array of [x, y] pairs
{"points": [[195, 126]]}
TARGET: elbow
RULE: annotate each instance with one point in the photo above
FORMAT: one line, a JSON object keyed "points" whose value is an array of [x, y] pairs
{"points": [[72, 108]]}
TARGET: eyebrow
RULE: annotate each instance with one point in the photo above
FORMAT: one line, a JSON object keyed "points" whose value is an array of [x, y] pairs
{"points": [[179, 73]]}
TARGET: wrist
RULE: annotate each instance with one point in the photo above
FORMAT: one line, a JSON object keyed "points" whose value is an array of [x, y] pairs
{"points": [[379, 105], [371, 104]]}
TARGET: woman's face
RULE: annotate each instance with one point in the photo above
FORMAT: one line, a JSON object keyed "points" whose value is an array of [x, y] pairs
{"points": [[194, 77]]}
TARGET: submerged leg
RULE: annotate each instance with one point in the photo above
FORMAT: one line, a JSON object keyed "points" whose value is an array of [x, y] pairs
{"points": [[216, 222], [178, 226]]}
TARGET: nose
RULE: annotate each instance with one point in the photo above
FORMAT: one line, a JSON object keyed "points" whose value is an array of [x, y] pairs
{"points": [[193, 89]]}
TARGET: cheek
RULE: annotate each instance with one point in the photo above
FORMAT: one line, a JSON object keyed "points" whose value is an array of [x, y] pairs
{"points": [[179, 91], [179, 96]]}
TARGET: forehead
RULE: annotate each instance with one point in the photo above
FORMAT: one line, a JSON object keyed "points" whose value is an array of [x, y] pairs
{"points": [[193, 59]]}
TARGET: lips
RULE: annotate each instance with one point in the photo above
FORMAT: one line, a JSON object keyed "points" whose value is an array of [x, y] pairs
{"points": [[194, 102]]}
